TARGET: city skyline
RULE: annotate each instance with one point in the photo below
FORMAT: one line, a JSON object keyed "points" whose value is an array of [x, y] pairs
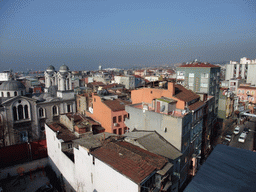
{"points": [[86, 34]]}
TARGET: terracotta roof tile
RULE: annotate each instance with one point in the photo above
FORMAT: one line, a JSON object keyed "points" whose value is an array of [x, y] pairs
{"points": [[196, 105], [63, 132], [200, 65], [184, 94], [116, 104], [129, 160]]}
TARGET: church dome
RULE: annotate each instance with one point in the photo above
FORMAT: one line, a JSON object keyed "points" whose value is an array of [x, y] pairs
{"points": [[50, 68], [64, 68], [12, 86]]}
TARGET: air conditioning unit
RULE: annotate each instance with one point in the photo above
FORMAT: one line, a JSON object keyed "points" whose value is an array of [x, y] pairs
{"points": [[115, 124]]}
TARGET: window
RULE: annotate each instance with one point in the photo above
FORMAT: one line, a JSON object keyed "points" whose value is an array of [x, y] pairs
{"points": [[41, 112], [114, 131], [93, 160], [247, 92], [14, 111], [54, 110], [114, 119], [119, 118], [204, 75], [15, 93], [68, 108], [20, 112], [26, 111], [125, 130], [125, 116], [120, 131], [94, 99], [70, 145], [21, 92], [8, 94], [191, 74]]}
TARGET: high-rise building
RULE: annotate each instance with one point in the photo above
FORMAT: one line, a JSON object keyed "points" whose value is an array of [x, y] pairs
{"points": [[202, 78], [244, 70]]}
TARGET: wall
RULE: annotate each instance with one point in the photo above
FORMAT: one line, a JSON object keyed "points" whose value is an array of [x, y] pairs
{"points": [[158, 122], [60, 163], [99, 176], [28, 166], [101, 113]]}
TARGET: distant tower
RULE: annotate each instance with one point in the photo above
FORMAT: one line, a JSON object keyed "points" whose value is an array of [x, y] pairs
{"points": [[64, 79], [100, 68], [50, 78]]}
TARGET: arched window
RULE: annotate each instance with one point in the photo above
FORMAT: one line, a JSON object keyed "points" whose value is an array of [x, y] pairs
{"points": [[15, 93], [14, 112], [8, 94], [20, 112], [26, 111], [54, 110], [41, 112]]}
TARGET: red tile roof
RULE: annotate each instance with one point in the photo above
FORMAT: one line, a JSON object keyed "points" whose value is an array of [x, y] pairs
{"points": [[116, 104], [97, 84], [129, 160], [63, 132], [199, 65], [184, 94], [196, 105]]}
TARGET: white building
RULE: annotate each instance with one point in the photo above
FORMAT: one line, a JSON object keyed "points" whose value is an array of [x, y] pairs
{"points": [[128, 81], [24, 117], [244, 69], [103, 162]]}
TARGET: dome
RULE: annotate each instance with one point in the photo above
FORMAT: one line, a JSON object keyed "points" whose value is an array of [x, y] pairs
{"points": [[50, 68], [64, 68], [12, 86]]}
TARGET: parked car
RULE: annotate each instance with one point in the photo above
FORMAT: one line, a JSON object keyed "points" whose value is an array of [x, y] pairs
{"points": [[242, 137], [228, 138], [237, 130]]}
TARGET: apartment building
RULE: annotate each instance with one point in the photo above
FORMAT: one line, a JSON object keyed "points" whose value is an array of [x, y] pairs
{"points": [[104, 162], [176, 114], [245, 69], [109, 111]]}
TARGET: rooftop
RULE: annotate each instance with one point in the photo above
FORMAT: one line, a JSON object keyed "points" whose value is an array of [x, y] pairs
{"points": [[129, 160], [226, 169], [184, 94], [62, 132], [200, 65], [116, 104], [154, 143]]}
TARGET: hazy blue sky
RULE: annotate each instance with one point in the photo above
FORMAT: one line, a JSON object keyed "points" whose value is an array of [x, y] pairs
{"points": [[122, 33]]}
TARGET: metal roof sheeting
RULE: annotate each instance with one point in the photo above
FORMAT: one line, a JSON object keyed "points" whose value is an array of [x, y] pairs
{"points": [[226, 169]]}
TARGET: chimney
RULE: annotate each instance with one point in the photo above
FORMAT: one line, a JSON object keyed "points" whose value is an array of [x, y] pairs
{"points": [[205, 97], [72, 124], [171, 88]]}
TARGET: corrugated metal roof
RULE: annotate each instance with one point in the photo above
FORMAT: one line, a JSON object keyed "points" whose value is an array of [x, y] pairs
{"points": [[227, 169]]}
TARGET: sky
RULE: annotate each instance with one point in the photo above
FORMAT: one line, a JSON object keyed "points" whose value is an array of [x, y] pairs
{"points": [[84, 34]]}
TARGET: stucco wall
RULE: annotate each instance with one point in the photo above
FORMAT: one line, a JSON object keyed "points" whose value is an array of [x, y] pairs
{"points": [[99, 176]]}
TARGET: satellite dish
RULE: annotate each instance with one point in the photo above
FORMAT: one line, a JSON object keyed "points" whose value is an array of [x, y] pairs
{"points": [[162, 108]]}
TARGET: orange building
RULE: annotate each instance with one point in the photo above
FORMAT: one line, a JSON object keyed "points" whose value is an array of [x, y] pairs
{"points": [[110, 113], [247, 93], [177, 92]]}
